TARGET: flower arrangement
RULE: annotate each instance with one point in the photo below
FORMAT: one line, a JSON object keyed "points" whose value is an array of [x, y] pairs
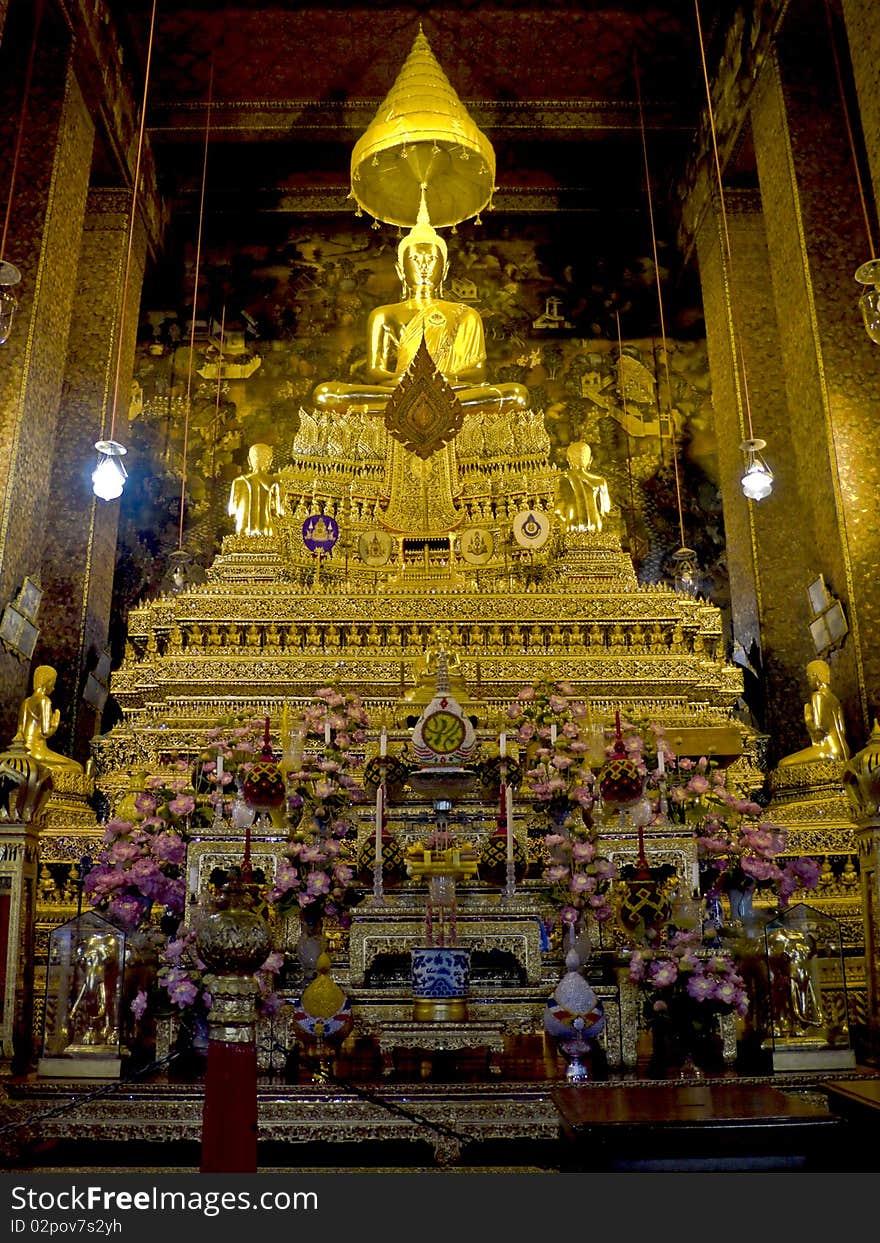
{"points": [[579, 875], [738, 848], [141, 859], [685, 989], [561, 744], [315, 875]]}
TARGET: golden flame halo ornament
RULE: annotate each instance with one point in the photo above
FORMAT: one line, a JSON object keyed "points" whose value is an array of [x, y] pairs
{"points": [[422, 135]]}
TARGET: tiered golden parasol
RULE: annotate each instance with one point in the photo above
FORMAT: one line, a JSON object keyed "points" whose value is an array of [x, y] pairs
{"points": [[422, 135]]}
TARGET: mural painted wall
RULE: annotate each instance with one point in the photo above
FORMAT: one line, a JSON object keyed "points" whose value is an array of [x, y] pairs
{"points": [[290, 311]]}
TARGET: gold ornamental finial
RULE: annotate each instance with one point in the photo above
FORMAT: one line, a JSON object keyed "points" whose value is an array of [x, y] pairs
{"points": [[422, 231], [422, 135]]}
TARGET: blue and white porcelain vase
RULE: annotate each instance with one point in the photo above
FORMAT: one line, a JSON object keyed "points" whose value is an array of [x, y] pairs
{"points": [[440, 981]]}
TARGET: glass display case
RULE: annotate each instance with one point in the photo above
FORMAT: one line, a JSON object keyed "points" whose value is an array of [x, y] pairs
{"points": [[806, 997], [81, 1017]]}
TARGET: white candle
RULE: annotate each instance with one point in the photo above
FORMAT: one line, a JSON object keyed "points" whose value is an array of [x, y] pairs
{"points": [[502, 745], [327, 732], [383, 743], [695, 877], [553, 733], [661, 761], [508, 798], [219, 767], [379, 825]]}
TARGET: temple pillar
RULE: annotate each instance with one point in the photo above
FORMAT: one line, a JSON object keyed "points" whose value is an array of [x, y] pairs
{"points": [[862, 783], [79, 556], [767, 542], [862, 19], [43, 241], [19, 855], [831, 368]]}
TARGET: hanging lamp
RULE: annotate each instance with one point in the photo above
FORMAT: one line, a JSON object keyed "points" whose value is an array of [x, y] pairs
{"points": [[109, 476], [757, 478]]}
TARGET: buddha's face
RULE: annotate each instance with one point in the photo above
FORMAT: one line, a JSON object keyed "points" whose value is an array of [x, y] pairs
{"points": [[423, 266]]}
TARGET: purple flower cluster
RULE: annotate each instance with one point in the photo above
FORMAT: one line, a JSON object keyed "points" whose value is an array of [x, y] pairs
{"points": [[677, 977], [739, 847], [139, 864]]}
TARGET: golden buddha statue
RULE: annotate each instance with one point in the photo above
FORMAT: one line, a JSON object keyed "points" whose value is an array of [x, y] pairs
{"points": [[252, 636], [582, 498], [374, 638], [255, 498], [824, 720], [453, 334], [332, 637], [214, 638], [38, 721]]}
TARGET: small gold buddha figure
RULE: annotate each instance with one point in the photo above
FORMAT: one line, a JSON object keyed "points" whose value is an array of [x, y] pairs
{"points": [[823, 717], [152, 644], [677, 641], [495, 638], [313, 639], [233, 635], [214, 638], [353, 636], [582, 498], [556, 639], [38, 721], [576, 636], [849, 877], [194, 636], [596, 635], [656, 638], [536, 636], [252, 636], [332, 637], [453, 334], [273, 637], [292, 637], [255, 498], [617, 637], [175, 639], [516, 638], [827, 881], [414, 637], [374, 638], [637, 639], [394, 638]]}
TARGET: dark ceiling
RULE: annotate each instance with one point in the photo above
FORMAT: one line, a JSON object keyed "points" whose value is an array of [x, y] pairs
{"points": [[292, 86], [572, 96]]}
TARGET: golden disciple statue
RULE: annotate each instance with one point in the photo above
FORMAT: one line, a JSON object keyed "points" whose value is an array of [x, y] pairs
{"points": [[255, 498], [582, 498], [453, 333], [38, 721], [824, 720]]}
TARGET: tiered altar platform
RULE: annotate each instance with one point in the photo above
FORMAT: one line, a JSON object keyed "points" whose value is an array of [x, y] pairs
{"points": [[459, 1121]]}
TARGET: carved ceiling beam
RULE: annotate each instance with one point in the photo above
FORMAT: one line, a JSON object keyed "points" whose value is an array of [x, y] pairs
{"points": [[321, 121]]}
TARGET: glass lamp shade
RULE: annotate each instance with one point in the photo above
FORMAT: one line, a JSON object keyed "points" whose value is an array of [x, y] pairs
{"points": [[686, 572], [757, 481], [869, 303], [109, 476], [9, 275]]}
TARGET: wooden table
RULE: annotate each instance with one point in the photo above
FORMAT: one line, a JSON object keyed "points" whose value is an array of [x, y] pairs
{"points": [[718, 1126]]}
